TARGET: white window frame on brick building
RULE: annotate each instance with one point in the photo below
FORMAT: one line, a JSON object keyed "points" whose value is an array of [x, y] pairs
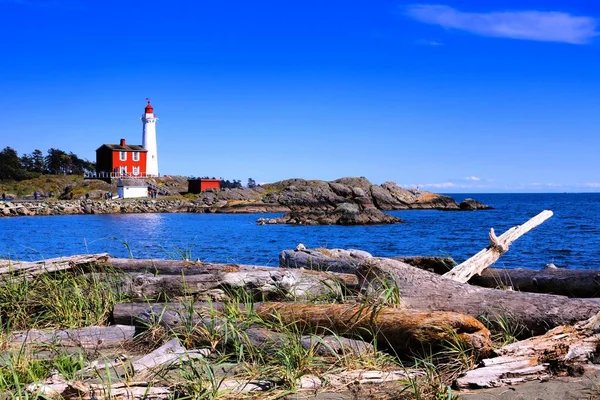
{"points": [[123, 156], [136, 156]]}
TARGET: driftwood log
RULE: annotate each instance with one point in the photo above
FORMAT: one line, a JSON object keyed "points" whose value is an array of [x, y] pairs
{"points": [[173, 316], [567, 282], [394, 327], [498, 246], [398, 328], [151, 280], [562, 351], [421, 289], [30, 269], [91, 337], [424, 290], [579, 283]]}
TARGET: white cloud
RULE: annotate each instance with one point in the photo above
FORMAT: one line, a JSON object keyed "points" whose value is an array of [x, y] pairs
{"points": [[524, 25], [592, 184], [440, 185], [433, 43], [472, 178]]}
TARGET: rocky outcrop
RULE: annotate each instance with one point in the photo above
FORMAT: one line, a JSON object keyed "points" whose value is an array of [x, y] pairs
{"points": [[343, 214], [293, 195], [303, 195], [472, 204]]}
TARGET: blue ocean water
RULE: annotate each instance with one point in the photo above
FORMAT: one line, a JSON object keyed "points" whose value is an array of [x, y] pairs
{"points": [[570, 239]]}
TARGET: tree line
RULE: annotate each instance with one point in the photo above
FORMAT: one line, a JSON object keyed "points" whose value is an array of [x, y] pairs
{"points": [[237, 184], [34, 164]]}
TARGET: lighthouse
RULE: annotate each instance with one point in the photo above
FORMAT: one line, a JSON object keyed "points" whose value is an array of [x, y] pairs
{"points": [[149, 140]]}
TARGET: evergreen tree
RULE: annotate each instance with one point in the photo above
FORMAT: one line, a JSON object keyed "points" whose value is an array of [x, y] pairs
{"points": [[27, 162], [38, 161], [58, 162], [10, 165]]}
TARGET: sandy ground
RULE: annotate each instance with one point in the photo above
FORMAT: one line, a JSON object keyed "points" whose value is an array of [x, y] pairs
{"points": [[586, 387], [583, 387]]}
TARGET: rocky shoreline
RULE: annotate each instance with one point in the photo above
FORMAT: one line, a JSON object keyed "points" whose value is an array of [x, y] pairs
{"points": [[293, 195], [344, 214]]}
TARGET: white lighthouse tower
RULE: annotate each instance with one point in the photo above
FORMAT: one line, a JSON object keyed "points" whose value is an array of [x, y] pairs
{"points": [[149, 140]]}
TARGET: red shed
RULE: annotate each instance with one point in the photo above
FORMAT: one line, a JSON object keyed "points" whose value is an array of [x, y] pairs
{"points": [[197, 185], [121, 160]]}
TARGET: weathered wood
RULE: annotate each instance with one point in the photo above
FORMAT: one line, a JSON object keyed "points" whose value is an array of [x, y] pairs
{"points": [[173, 316], [499, 245], [419, 289], [348, 261], [324, 346], [138, 390], [560, 281], [394, 327], [564, 350], [91, 337], [187, 268], [331, 260], [169, 354], [29, 269], [259, 283], [579, 283], [567, 282]]}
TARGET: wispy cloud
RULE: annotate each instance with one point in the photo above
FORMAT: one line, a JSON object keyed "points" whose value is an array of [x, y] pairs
{"points": [[442, 185], [424, 42], [524, 25], [469, 182], [592, 184]]}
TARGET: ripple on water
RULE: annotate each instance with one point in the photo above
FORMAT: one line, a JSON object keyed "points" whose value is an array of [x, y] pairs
{"points": [[571, 237]]}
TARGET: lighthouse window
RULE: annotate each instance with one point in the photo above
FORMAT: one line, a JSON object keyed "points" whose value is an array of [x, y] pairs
{"points": [[136, 156], [123, 155]]}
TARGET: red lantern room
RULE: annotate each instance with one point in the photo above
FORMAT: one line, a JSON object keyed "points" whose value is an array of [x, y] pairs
{"points": [[149, 109]]}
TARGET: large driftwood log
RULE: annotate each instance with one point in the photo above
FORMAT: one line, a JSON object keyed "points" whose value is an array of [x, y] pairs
{"points": [[396, 327], [580, 283], [173, 316], [332, 260], [567, 282], [498, 246], [550, 280], [218, 283], [564, 350], [29, 269], [424, 290]]}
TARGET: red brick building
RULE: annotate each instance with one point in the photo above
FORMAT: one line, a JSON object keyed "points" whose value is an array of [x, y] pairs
{"points": [[121, 160]]}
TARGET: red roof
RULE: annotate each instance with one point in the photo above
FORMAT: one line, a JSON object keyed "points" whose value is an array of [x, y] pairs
{"points": [[149, 109]]}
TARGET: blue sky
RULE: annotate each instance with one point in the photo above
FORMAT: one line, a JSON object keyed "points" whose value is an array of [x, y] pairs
{"points": [[454, 96]]}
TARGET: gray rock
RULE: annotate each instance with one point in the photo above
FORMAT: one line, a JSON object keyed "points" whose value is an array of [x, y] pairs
{"points": [[471, 204], [385, 200], [344, 214]]}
